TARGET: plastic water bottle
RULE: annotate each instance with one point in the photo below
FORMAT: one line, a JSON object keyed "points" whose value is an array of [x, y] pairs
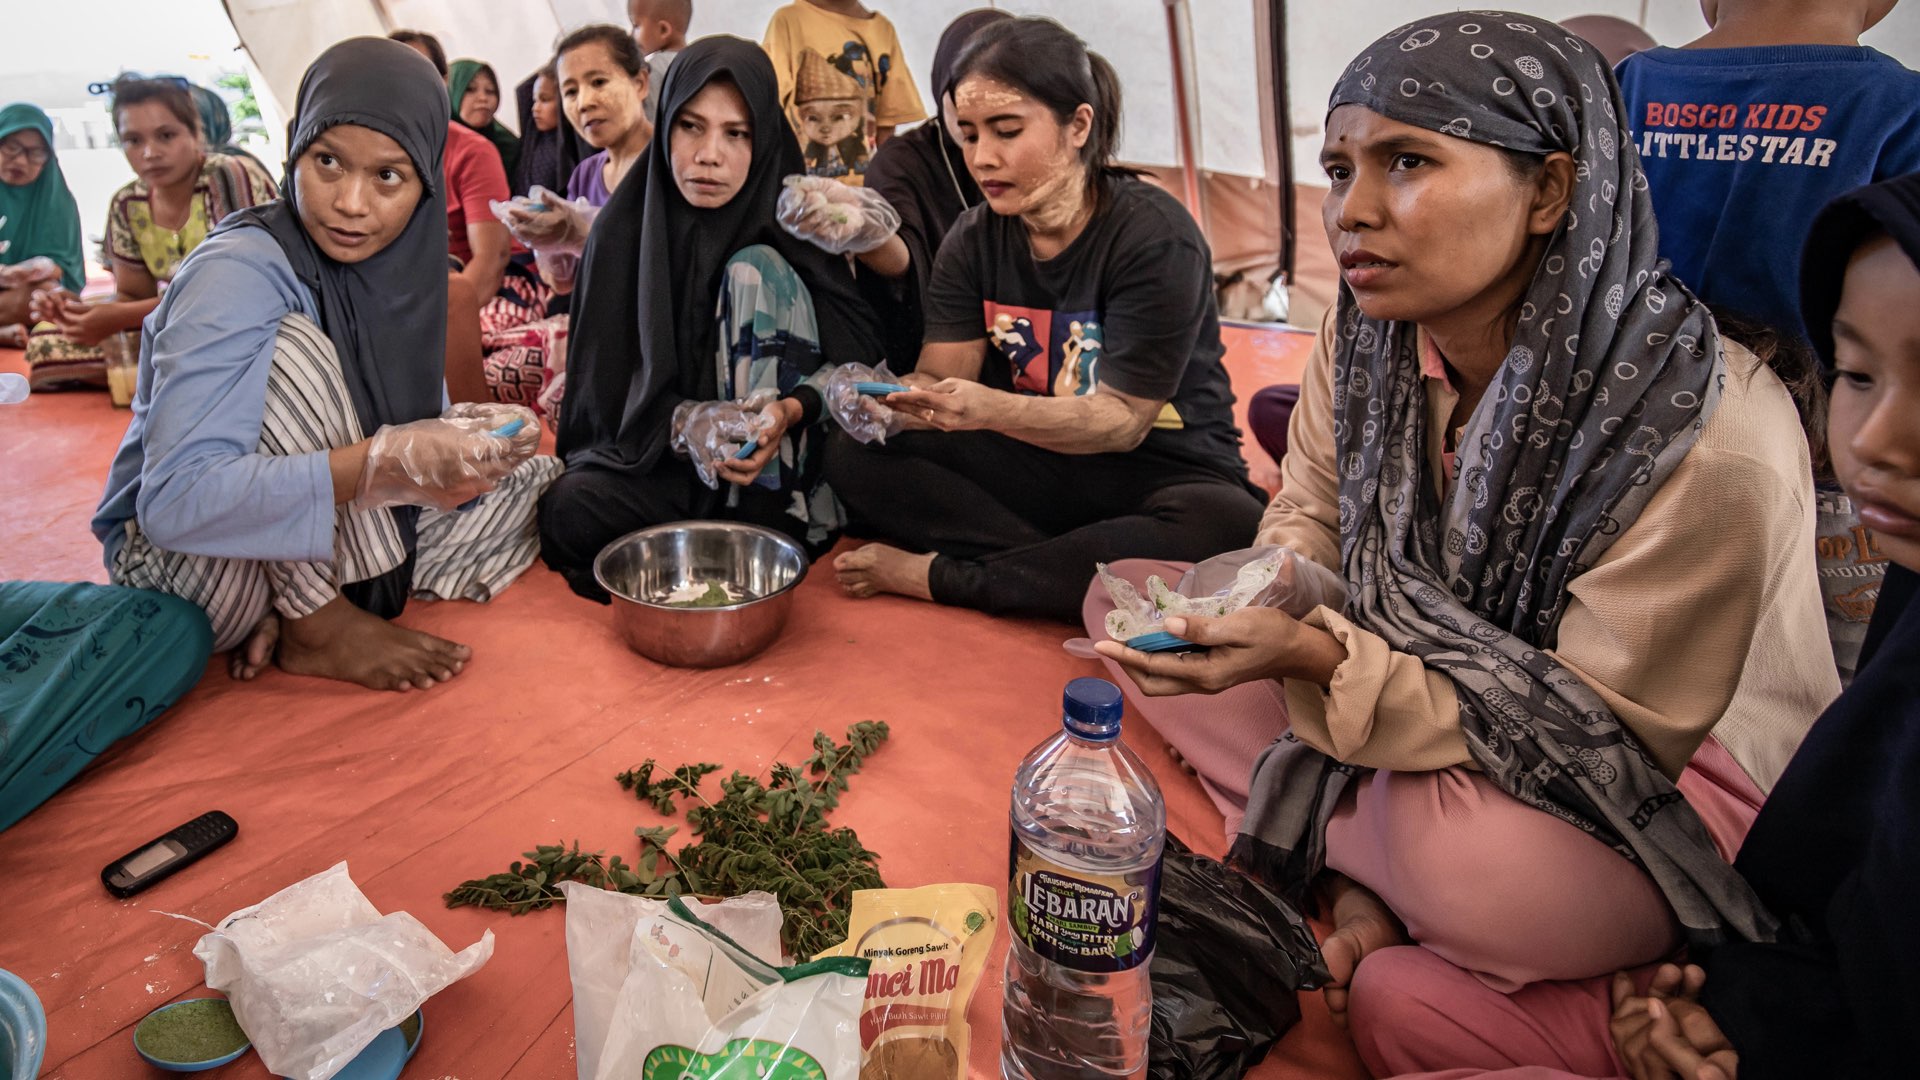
{"points": [[1088, 829]]}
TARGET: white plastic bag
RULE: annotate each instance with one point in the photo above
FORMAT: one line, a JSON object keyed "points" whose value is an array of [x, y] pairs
{"points": [[661, 991], [315, 972], [1267, 576]]}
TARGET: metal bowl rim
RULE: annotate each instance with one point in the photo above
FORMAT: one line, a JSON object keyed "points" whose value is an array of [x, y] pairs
{"points": [[780, 538]]}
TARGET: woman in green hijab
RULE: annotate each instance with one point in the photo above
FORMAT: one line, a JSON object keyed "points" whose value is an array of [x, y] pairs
{"points": [[38, 216], [475, 93]]}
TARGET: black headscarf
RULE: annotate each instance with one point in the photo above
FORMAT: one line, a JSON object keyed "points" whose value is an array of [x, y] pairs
{"points": [[1891, 207], [924, 175], [386, 315], [1836, 850], [547, 158], [644, 323]]}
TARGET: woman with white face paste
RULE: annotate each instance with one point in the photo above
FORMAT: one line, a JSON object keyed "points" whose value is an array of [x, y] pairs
{"points": [[1069, 406]]}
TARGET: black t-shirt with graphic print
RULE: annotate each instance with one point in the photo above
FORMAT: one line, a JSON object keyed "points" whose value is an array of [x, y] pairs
{"points": [[1129, 304]]}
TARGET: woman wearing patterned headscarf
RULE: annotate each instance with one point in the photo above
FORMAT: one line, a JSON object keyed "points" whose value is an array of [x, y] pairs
{"points": [[1575, 524]]}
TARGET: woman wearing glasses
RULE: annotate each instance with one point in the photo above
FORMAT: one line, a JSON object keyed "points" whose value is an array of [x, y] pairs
{"points": [[39, 223], [180, 192]]}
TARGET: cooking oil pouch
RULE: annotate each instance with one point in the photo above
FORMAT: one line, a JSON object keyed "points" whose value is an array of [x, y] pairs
{"points": [[661, 992], [926, 949]]}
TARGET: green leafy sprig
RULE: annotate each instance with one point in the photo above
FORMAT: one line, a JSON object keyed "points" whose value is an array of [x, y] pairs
{"points": [[769, 836]]}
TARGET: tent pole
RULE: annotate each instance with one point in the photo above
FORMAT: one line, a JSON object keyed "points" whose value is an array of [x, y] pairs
{"points": [[1282, 130], [1186, 95], [385, 16]]}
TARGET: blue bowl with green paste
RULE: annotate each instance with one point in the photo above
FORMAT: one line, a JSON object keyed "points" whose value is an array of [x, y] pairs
{"points": [[199, 1034]]}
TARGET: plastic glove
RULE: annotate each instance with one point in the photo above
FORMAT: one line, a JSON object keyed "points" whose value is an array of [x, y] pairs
{"points": [[558, 268], [442, 463], [524, 440], [709, 432], [865, 417], [547, 222], [37, 272], [835, 216]]}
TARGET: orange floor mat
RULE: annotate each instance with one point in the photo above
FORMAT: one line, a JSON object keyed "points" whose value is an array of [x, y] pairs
{"points": [[418, 791]]}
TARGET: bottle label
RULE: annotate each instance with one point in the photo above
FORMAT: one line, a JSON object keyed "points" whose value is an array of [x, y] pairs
{"points": [[1087, 922]]}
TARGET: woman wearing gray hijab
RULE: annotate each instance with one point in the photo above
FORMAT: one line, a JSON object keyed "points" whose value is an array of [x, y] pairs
{"points": [[1582, 632], [289, 467]]}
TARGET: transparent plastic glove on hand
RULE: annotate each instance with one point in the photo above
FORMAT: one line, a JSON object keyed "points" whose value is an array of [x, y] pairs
{"points": [[37, 272], [440, 463], [834, 216], [710, 432], [863, 416], [523, 437], [1267, 576], [547, 222]]}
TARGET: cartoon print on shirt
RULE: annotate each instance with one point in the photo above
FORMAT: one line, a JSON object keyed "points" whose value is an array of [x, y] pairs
{"points": [[1079, 359]]}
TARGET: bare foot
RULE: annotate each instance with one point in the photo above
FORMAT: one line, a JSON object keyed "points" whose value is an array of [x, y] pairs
{"points": [[253, 656], [1361, 924], [342, 642], [878, 568]]}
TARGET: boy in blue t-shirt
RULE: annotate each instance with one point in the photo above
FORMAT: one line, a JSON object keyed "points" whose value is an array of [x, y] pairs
{"points": [[1746, 133]]}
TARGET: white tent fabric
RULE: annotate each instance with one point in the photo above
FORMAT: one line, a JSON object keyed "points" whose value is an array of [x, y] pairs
{"points": [[516, 36], [1240, 176]]}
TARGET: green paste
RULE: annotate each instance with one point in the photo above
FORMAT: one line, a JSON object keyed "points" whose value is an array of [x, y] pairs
{"points": [[715, 596], [410, 1028], [198, 1030]]}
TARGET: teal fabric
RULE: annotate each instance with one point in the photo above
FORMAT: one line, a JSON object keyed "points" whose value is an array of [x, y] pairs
{"points": [[770, 344], [40, 218], [459, 74], [82, 666]]}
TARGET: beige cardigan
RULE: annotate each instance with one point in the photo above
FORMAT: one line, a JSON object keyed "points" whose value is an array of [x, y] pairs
{"points": [[1704, 615]]}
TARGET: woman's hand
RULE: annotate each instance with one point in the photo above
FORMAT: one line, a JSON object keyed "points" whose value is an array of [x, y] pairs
{"points": [[1665, 1034], [1250, 644], [786, 413], [953, 405], [89, 324]]}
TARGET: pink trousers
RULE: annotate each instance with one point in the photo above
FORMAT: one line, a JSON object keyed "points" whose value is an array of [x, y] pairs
{"points": [[1519, 918]]}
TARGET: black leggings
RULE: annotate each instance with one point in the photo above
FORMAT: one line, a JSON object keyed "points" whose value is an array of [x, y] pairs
{"points": [[1018, 529], [590, 507]]}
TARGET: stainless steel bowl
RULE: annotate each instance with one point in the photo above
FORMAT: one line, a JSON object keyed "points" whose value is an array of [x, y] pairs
{"points": [[642, 568]]}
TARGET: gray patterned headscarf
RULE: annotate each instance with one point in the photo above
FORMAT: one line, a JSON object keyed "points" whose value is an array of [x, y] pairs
{"points": [[1612, 371]]}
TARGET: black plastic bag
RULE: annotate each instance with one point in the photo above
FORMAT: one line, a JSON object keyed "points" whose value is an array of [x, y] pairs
{"points": [[1229, 955]]}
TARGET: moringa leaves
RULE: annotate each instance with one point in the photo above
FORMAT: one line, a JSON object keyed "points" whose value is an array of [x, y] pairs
{"points": [[770, 836]]}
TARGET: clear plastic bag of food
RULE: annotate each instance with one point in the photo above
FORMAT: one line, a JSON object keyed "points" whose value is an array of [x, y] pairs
{"points": [[546, 222], [38, 272], [1266, 576], [854, 400], [710, 432], [838, 217], [315, 972], [663, 988]]}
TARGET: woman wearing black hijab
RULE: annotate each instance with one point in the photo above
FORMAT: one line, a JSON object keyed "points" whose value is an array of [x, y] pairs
{"points": [[247, 482], [690, 298], [924, 176]]}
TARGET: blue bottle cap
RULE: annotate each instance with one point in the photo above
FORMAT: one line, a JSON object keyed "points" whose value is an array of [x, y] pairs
{"points": [[1092, 709]]}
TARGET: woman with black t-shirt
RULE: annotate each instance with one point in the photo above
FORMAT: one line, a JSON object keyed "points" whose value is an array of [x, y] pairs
{"points": [[1069, 406]]}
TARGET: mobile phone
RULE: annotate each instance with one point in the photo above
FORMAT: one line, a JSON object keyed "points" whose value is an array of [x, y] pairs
{"points": [[156, 860]]}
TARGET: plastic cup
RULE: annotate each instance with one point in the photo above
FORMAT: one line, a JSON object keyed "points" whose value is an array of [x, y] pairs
{"points": [[123, 366]]}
